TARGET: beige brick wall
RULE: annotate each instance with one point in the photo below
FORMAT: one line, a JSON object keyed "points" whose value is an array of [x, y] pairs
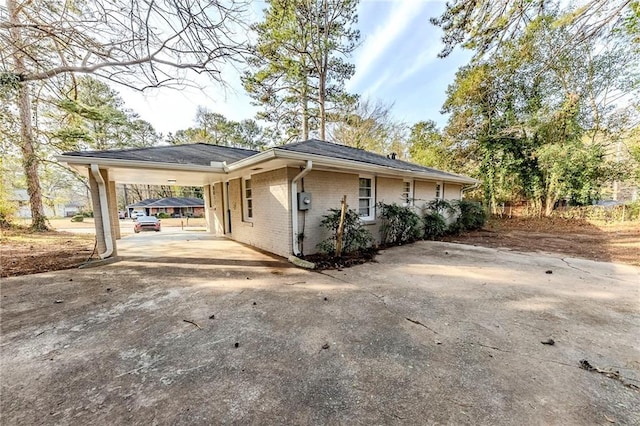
{"points": [[270, 228], [424, 191], [327, 189], [452, 191], [214, 208], [389, 190]]}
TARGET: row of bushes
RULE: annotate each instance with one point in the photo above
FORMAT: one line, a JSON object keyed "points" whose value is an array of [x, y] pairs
{"points": [[401, 225]]}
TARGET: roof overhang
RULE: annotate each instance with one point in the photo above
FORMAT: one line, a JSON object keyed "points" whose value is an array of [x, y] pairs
{"points": [[154, 173], [342, 165]]}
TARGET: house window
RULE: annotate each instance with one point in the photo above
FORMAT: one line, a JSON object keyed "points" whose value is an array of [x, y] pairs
{"points": [[247, 200], [366, 199], [438, 191], [407, 193]]}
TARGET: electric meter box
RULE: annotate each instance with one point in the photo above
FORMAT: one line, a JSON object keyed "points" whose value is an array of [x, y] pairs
{"points": [[304, 200]]}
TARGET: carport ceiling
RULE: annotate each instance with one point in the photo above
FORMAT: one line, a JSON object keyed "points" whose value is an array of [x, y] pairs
{"points": [[154, 176]]}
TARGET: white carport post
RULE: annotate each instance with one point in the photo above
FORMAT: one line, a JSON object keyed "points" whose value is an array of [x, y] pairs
{"points": [[208, 207], [105, 211]]}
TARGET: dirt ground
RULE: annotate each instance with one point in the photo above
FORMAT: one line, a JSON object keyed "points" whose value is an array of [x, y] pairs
{"points": [[431, 333], [23, 252], [607, 242]]}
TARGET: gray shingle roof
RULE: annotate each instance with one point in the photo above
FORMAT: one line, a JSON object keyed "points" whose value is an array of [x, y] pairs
{"points": [[143, 203], [199, 153], [170, 202], [334, 150], [203, 154]]}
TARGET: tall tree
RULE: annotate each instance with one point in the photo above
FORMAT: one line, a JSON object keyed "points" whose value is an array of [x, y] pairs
{"points": [[537, 122], [280, 79], [215, 128], [91, 115], [429, 147], [137, 43], [484, 25], [369, 125], [298, 64]]}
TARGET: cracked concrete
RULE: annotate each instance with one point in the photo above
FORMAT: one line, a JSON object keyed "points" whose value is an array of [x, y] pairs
{"points": [[433, 333]]}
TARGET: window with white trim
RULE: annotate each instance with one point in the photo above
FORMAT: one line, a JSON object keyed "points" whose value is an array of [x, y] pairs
{"points": [[366, 198], [407, 193], [438, 191], [247, 200]]}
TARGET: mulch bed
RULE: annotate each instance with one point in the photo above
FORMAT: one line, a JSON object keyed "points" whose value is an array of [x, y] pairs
{"points": [[324, 262]]}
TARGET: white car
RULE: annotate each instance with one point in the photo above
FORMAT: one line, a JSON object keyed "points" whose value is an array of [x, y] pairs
{"points": [[136, 215], [147, 223]]}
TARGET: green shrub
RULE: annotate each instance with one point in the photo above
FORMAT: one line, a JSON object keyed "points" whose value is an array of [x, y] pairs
{"points": [[632, 210], [85, 214], [7, 211], [77, 218], [470, 216], [442, 207], [355, 236], [163, 215], [434, 225], [454, 228], [400, 225]]}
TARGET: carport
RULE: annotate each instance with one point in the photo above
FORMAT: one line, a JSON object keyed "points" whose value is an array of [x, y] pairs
{"points": [[187, 165]]}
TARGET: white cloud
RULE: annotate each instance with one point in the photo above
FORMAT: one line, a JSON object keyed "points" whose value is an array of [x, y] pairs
{"points": [[427, 57], [402, 14], [373, 88]]}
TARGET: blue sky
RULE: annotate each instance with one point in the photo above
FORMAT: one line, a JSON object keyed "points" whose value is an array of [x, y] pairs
{"points": [[396, 63]]}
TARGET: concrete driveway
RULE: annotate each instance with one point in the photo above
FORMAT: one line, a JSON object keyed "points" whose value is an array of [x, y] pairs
{"points": [[433, 333]]}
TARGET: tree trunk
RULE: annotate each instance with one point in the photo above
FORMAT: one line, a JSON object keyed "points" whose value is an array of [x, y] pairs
{"points": [[322, 72], [550, 202], [321, 100], [305, 109], [29, 157]]}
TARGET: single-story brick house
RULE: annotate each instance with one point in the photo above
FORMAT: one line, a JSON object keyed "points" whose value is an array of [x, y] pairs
{"points": [[265, 199], [173, 206]]}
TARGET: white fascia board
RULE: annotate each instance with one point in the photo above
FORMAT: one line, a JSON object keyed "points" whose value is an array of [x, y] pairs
{"points": [[73, 160], [250, 161], [358, 166]]}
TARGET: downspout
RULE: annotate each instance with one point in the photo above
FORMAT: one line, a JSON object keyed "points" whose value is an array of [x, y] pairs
{"points": [[104, 210], [468, 188], [294, 205]]}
